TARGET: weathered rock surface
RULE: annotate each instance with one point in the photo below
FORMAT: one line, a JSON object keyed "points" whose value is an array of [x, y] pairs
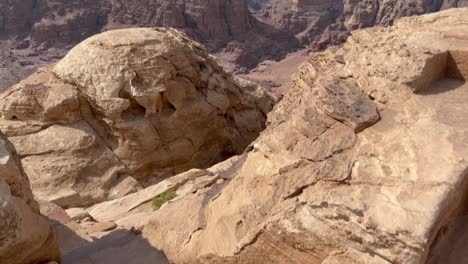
{"points": [[52, 23], [321, 23], [41, 31], [365, 161], [45, 25], [26, 236], [212, 22], [125, 105], [257, 4]]}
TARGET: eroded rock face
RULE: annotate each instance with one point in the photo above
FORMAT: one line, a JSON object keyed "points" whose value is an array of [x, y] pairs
{"points": [[52, 23], [321, 23], [40, 32], [365, 160], [212, 22], [124, 105], [26, 236], [455, 3]]}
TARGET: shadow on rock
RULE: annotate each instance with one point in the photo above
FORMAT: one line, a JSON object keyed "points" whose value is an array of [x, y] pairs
{"points": [[118, 247]]}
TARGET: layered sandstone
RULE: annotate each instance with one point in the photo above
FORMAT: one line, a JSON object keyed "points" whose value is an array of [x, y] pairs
{"points": [[42, 31], [321, 23], [127, 105], [26, 236], [364, 161], [214, 22]]}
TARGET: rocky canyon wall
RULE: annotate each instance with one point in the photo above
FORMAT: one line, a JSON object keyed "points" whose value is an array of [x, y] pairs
{"points": [[26, 236], [364, 161], [321, 23]]}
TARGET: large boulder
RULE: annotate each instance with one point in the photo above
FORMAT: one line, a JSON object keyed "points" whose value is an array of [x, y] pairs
{"points": [[124, 105], [365, 161], [26, 236]]}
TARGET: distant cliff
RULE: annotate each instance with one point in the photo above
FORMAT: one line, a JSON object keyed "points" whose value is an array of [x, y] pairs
{"points": [[241, 33], [321, 23]]}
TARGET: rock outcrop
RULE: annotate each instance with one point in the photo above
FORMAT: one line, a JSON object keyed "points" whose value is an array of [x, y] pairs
{"points": [[321, 23], [257, 4], [52, 23], [26, 236], [42, 31], [213, 23], [364, 161], [127, 105]]}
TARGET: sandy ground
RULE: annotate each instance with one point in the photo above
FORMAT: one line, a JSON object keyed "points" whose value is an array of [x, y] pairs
{"points": [[275, 76]]}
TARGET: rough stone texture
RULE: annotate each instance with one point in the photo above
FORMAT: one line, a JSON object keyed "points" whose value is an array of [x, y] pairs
{"points": [[257, 4], [41, 31], [383, 182], [42, 28], [77, 214], [120, 208], [454, 3], [321, 23], [26, 236], [124, 105], [212, 22], [52, 23]]}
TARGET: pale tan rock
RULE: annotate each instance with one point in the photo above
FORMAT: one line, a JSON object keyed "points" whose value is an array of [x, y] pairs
{"points": [[127, 186], [223, 166], [77, 214], [364, 161], [101, 227], [121, 207], [118, 208], [26, 236], [126, 106], [134, 221], [54, 212]]}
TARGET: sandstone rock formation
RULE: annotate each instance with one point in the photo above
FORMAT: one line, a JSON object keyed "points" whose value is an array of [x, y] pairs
{"points": [[212, 22], [26, 236], [42, 31], [321, 23], [127, 105], [364, 161], [52, 23], [455, 3], [257, 4]]}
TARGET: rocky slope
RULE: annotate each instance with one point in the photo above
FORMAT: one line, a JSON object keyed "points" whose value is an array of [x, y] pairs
{"points": [[214, 23], [321, 23], [365, 161], [26, 236], [41, 31], [127, 105], [48, 27], [257, 4], [47, 23]]}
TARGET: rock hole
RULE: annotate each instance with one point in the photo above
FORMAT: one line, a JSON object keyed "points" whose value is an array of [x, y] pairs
{"points": [[135, 108], [166, 104], [450, 67], [457, 65]]}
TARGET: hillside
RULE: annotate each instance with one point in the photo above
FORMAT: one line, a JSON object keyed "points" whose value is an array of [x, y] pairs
{"points": [[38, 32]]}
